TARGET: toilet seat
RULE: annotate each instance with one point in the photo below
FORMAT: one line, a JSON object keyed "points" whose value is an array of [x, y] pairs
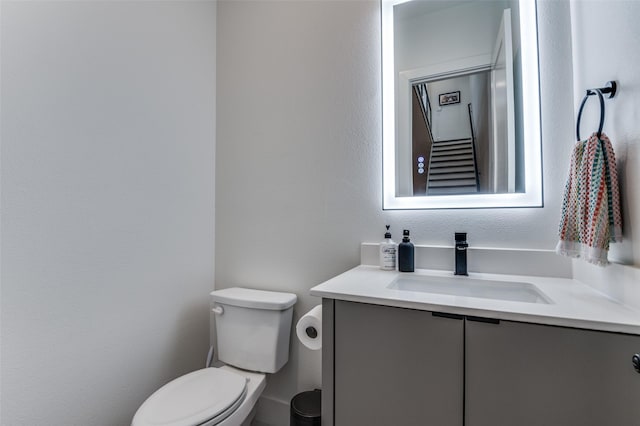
{"points": [[203, 397]]}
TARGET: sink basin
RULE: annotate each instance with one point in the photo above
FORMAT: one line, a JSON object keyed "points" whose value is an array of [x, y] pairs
{"points": [[471, 287]]}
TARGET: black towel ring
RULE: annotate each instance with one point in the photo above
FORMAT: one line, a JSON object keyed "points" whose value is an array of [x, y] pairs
{"points": [[584, 101], [611, 89]]}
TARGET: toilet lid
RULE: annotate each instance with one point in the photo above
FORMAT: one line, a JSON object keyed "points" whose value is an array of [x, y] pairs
{"points": [[193, 399]]}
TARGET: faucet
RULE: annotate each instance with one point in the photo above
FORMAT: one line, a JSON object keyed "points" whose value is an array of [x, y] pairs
{"points": [[461, 253]]}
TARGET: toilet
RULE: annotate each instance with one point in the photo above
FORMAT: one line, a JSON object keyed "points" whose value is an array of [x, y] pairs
{"points": [[253, 329]]}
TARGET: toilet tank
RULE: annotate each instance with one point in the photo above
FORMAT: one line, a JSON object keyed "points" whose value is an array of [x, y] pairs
{"points": [[253, 328]]}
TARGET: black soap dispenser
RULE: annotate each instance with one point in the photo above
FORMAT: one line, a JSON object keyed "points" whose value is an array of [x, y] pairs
{"points": [[405, 253]]}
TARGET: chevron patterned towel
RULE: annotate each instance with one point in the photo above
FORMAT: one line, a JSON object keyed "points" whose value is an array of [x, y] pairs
{"points": [[591, 216]]}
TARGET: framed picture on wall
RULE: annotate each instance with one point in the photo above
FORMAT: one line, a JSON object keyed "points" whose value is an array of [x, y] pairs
{"points": [[449, 98]]}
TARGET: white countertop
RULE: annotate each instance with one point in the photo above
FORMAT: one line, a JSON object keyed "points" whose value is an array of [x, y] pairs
{"points": [[574, 304]]}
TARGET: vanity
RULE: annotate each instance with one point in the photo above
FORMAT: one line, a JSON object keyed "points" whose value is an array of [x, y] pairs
{"points": [[429, 348]]}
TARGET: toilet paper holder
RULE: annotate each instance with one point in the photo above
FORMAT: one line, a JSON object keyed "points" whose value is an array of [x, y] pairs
{"points": [[311, 332]]}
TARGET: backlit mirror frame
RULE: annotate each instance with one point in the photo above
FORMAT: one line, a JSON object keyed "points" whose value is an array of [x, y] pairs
{"points": [[532, 196]]}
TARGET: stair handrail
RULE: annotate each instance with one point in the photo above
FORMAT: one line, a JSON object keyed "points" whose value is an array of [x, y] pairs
{"points": [[421, 92], [473, 146]]}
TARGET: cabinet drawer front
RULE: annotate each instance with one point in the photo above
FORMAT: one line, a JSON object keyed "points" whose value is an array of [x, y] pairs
{"points": [[535, 375], [397, 367]]}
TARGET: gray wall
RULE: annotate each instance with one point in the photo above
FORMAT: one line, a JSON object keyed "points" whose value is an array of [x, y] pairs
{"points": [[298, 150], [108, 127], [424, 36], [599, 57], [107, 170], [298, 177]]}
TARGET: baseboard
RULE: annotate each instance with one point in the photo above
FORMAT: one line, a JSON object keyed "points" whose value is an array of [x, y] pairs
{"points": [[272, 412]]}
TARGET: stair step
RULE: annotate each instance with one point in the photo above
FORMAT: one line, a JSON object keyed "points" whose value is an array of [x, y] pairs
{"points": [[452, 168], [458, 169], [437, 158], [447, 176], [444, 157], [451, 163], [452, 190], [462, 155], [454, 142], [450, 147], [452, 182], [456, 150], [450, 144]]}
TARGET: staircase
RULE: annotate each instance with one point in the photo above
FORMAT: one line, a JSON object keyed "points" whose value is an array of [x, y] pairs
{"points": [[452, 168], [452, 163]]}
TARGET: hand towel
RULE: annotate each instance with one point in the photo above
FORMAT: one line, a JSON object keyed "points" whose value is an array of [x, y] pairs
{"points": [[591, 216]]}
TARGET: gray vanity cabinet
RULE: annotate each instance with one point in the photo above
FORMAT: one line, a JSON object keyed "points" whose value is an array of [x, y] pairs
{"points": [[535, 375], [395, 367], [387, 366]]}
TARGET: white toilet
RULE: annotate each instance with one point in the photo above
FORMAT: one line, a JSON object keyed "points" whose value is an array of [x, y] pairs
{"points": [[253, 329]]}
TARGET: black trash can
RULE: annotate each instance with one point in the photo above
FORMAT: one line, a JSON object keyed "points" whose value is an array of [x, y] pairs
{"points": [[305, 408]]}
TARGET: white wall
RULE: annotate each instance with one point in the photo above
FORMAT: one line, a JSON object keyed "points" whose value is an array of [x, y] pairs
{"points": [[453, 33], [299, 153], [600, 56], [451, 121], [108, 132]]}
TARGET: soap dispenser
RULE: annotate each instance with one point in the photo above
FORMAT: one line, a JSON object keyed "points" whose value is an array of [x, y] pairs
{"points": [[388, 252], [405, 253]]}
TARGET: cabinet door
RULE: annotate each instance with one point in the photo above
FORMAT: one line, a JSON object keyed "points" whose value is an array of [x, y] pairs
{"points": [[396, 367], [535, 375]]}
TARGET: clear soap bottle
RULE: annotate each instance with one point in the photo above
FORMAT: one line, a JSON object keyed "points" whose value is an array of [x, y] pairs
{"points": [[388, 250]]}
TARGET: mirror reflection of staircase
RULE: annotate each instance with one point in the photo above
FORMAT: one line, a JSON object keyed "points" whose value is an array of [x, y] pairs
{"points": [[452, 168], [452, 165]]}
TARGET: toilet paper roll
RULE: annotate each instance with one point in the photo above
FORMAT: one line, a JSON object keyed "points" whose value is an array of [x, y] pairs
{"points": [[309, 329]]}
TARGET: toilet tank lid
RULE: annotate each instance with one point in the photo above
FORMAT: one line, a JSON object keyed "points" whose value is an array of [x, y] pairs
{"points": [[257, 299]]}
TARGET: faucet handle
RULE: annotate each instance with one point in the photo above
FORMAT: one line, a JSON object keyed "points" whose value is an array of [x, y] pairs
{"points": [[461, 237]]}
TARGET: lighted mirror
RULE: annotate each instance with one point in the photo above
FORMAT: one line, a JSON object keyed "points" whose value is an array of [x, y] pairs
{"points": [[461, 104]]}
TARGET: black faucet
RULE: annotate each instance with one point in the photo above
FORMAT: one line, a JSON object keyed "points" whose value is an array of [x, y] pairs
{"points": [[461, 253]]}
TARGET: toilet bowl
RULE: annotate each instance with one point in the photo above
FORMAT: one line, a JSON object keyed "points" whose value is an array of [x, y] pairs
{"points": [[224, 396], [253, 329]]}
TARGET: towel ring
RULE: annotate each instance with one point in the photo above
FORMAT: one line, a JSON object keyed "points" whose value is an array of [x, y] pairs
{"points": [[584, 101], [611, 89]]}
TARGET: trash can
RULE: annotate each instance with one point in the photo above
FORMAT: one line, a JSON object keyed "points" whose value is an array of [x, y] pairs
{"points": [[305, 408]]}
